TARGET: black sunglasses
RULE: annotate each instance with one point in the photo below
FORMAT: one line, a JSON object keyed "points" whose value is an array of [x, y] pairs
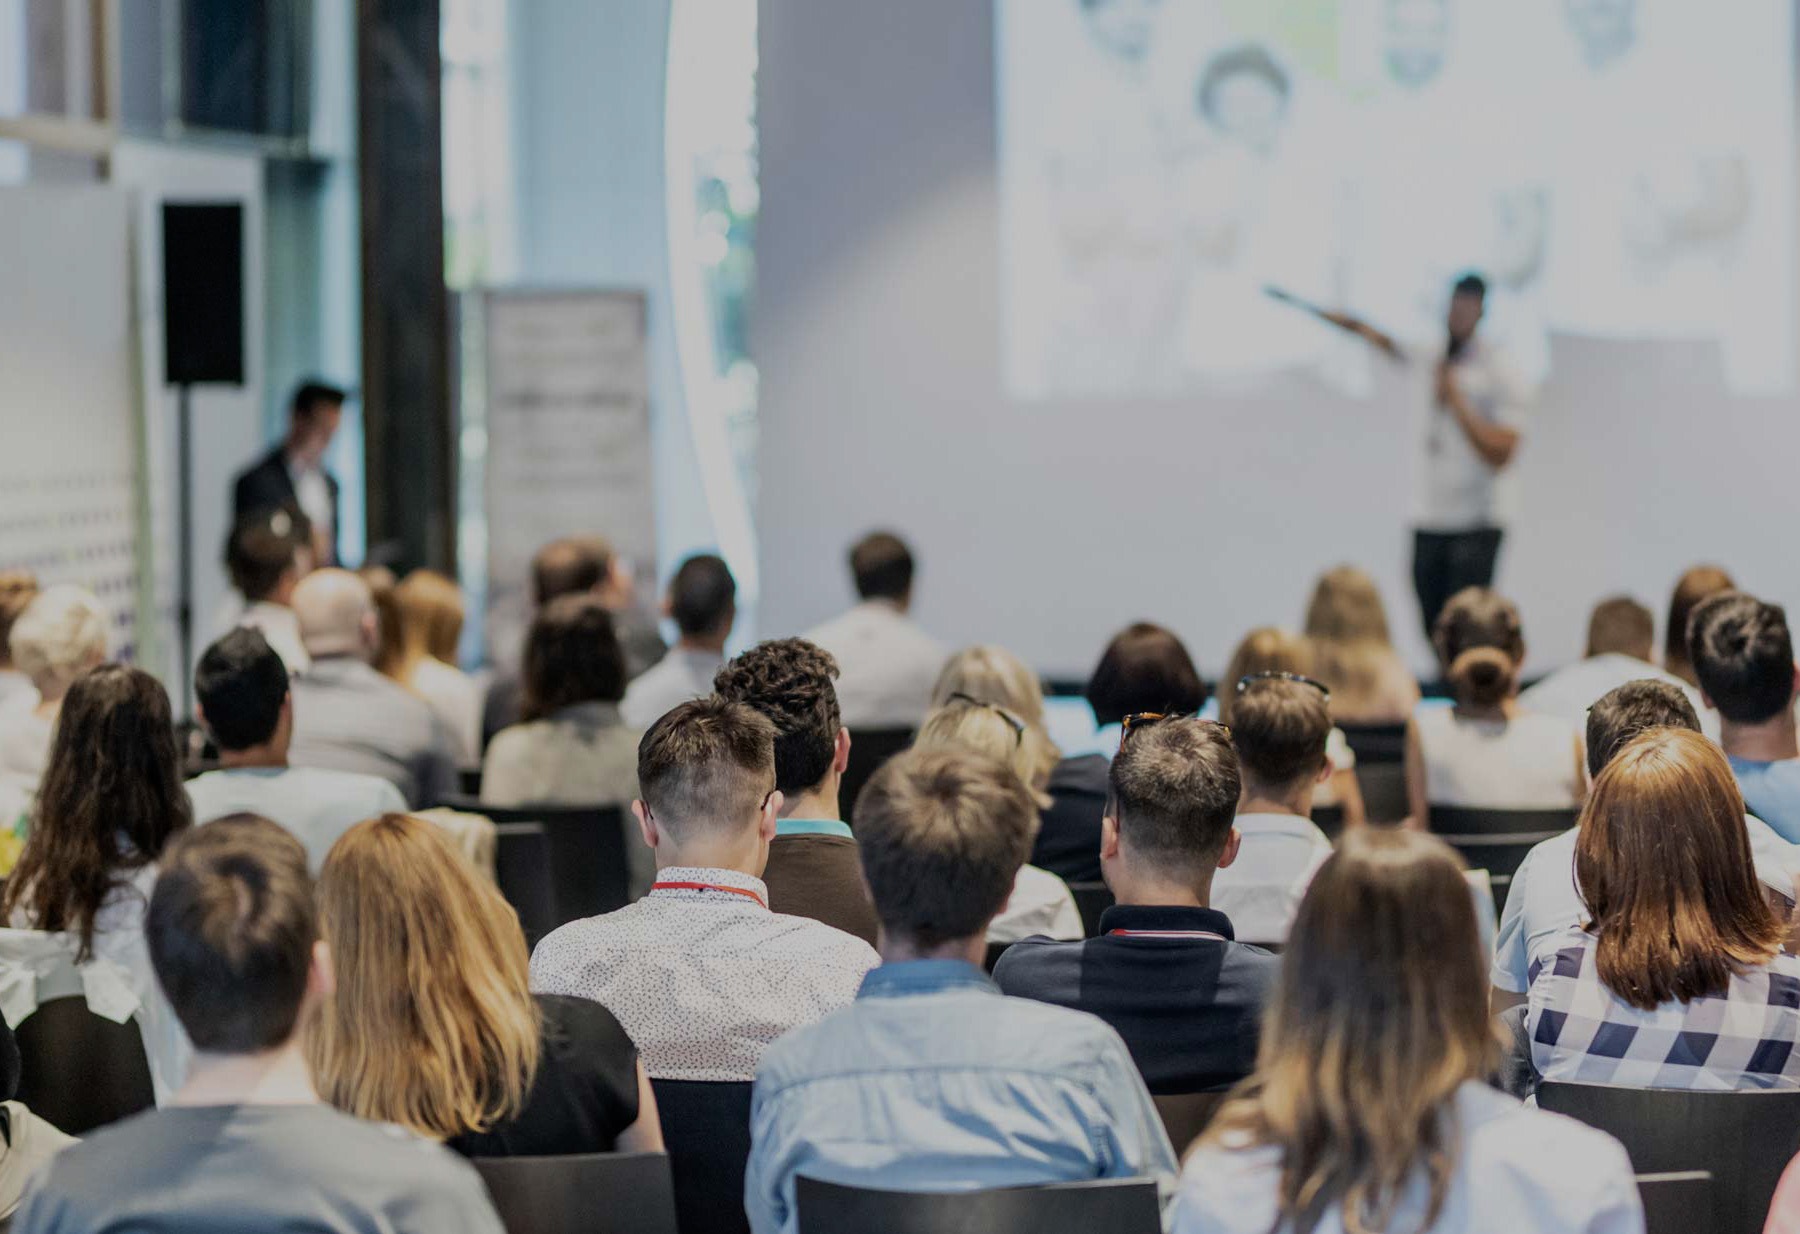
{"points": [[1244, 683], [1013, 722]]}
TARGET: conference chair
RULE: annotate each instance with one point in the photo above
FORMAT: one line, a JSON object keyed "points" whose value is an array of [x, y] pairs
{"points": [[1743, 1139], [1376, 743], [594, 1193], [589, 871], [869, 749], [994, 952], [1676, 1203], [1380, 751], [1497, 840], [1115, 1205], [522, 870], [79, 1070], [1330, 820], [1091, 900], [1186, 1115], [706, 1127]]}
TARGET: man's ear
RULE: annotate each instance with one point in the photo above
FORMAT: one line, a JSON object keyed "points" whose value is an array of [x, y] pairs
{"points": [[321, 978], [646, 824], [1109, 838], [840, 753], [1229, 855], [200, 714], [1326, 771]]}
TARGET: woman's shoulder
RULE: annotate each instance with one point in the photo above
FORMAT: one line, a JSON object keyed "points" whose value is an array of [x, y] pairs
{"points": [[1551, 1152]]}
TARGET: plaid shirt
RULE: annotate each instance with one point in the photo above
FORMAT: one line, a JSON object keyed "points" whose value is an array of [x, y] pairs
{"points": [[1580, 1030]]}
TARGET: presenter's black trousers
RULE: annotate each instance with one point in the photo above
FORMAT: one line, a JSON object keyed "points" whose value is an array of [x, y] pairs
{"points": [[1444, 562]]}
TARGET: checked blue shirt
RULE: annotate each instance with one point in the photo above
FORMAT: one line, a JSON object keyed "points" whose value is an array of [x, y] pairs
{"points": [[1581, 1031]]}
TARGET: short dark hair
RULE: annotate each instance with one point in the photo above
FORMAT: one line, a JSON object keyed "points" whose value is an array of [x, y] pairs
{"points": [[882, 566], [240, 684], [702, 595], [1633, 708], [262, 547], [1174, 789], [231, 929], [1251, 58], [1620, 625], [1280, 729], [572, 655], [1744, 656], [789, 681], [1144, 668], [942, 834], [1470, 284], [707, 763], [569, 566], [312, 396]]}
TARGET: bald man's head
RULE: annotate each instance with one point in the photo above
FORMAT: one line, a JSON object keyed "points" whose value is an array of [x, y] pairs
{"points": [[337, 614]]}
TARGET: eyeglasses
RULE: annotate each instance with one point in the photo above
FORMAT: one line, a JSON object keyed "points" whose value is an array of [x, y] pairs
{"points": [[1013, 722], [1244, 683], [1144, 719]]}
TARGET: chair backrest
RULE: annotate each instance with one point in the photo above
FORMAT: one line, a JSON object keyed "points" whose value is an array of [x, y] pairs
{"points": [[1497, 840], [1679, 1203], [522, 869], [1330, 820], [589, 871], [1376, 743], [1186, 1115], [79, 1070], [1117, 1206], [707, 1129], [869, 749], [994, 952], [595, 1193], [1091, 900], [1743, 1139], [1383, 788]]}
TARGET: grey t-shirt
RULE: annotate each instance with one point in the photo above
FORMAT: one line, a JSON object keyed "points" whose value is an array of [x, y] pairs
{"points": [[253, 1169]]}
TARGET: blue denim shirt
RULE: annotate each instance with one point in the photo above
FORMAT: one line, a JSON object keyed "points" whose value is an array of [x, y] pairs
{"points": [[935, 1081]]}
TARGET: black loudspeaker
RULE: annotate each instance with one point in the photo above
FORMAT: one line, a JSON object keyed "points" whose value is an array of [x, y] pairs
{"points": [[203, 293]]}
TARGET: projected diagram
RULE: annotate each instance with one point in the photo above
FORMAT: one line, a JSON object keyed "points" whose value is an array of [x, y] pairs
{"points": [[1616, 168]]}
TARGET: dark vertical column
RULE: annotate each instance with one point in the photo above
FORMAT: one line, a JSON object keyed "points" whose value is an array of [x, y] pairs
{"points": [[406, 372]]}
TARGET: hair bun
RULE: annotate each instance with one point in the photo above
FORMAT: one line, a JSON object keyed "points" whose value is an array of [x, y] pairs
{"points": [[1482, 676]]}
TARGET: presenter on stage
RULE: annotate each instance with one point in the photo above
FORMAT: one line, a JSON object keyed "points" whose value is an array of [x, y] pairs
{"points": [[1479, 404], [293, 475]]}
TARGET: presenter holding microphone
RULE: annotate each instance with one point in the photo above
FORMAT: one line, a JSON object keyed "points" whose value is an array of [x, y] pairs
{"points": [[1478, 412]]}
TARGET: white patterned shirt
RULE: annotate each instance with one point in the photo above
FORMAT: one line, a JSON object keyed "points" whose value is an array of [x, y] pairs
{"points": [[704, 976]]}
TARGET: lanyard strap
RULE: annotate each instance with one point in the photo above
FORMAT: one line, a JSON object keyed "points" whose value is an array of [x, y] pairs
{"points": [[736, 891], [1205, 934]]}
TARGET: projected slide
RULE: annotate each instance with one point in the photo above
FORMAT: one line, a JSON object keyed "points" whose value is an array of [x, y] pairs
{"points": [[1617, 169]]}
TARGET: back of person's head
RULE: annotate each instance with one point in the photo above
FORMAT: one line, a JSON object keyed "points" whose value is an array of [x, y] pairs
{"points": [[1743, 655], [1266, 649], [390, 639], [1480, 643], [431, 615], [788, 681], [60, 634], [1144, 669], [432, 1024], [703, 597], [1173, 791], [337, 615], [882, 567], [707, 766], [572, 655], [943, 834], [1380, 1014], [18, 588], [570, 566], [1663, 860], [1346, 608], [312, 397], [991, 674], [1280, 728], [1695, 585], [991, 731], [240, 684], [111, 799], [231, 931], [1633, 708], [1621, 626], [264, 549]]}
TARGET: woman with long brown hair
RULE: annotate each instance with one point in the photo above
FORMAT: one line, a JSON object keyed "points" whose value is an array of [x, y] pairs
{"points": [[433, 1025], [1680, 952], [1368, 1110], [1354, 653]]}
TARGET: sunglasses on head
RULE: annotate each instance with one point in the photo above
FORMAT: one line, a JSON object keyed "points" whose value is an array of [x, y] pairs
{"points": [[1144, 719], [1244, 683], [1013, 722]]}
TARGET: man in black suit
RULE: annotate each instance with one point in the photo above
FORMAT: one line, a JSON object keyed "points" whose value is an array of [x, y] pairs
{"points": [[293, 476]]}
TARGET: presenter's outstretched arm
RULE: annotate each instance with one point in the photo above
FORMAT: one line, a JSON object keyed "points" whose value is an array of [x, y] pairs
{"points": [[1379, 339], [1494, 442]]}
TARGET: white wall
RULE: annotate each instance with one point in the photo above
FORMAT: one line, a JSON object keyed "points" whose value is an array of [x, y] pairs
{"points": [[1050, 525]]}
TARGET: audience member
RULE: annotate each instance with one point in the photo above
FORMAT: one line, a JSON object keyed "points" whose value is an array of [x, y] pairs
{"points": [[431, 623], [1041, 903], [1369, 1108], [18, 588], [1280, 726], [1487, 750], [245, 705], [1677, 978], [887, 664], [347, 716], [1268, 650], [1620, 641], [1165, 972], [111, 801], [1144, 669], [432, 1024], [702, 602], [1743, 653], [28, 1142], [383, 592], [292, 476], [991, 674], [266, 556], [933, 1081], [1697, 584], [246, 1144], [571, 747], [1543, 899], [1354, 653], [702, 975], [813, 870], [60, 635]]}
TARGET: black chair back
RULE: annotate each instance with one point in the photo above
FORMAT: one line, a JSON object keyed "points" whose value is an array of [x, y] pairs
{"points": [[1743, 1139], [869, 749], [522, 869], [1091, 900], [1186, 1115], [589, 872], [707, 1129], [1676, 1203], [1497, 840], [1383, 787], [1376, 743], [1330, 820], [596, 1193], [79, 1070], [1117, 1206], [994, 952]]}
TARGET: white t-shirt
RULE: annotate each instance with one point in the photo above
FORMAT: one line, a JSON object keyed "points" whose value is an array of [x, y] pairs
{"points": [[1041, 904], [1261, 890], [314, 804], [1571, 690], [24, 742], [887, 665], [1462, 491], [1525, 763], [456, 700]]}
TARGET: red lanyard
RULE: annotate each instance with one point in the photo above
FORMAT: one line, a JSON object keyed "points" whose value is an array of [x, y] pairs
{"points": [[1207, 934], [736, 891]]}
